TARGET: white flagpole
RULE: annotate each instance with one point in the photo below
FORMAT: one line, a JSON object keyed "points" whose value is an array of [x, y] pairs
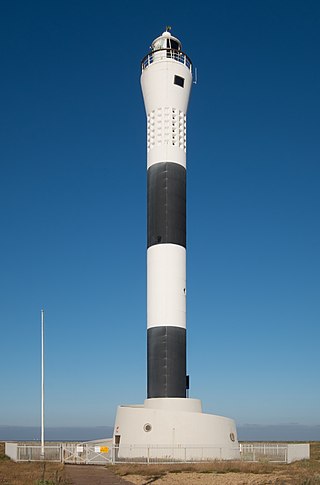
{"points": [[42, 384]]}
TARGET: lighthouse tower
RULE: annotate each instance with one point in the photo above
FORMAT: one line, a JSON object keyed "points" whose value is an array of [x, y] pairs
{"points": [[168, 423], [166, 81]]}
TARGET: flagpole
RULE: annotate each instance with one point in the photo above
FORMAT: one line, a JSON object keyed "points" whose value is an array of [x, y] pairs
{"points": [[42, 384]]}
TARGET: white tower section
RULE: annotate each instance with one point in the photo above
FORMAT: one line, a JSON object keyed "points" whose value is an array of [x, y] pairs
{"points": [[166, 105]]}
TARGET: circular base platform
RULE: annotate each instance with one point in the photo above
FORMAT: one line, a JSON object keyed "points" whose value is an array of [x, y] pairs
{"points": [[174, 429]]}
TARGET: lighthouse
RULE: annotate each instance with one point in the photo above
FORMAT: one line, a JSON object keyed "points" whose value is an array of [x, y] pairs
{"points": [[166, 81], [168, 423]]}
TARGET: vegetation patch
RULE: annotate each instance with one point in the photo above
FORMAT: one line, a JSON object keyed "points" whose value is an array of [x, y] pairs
{"points": [[305, 472], [29, 473]]}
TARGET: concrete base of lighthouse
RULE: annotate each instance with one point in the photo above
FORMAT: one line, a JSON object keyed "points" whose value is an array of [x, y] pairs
{"points": [[173, 429]]}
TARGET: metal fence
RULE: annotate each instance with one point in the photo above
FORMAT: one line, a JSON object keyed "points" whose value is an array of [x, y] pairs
{"points": [[169, 454], [96, 454], [270, 452], [33, 453]]}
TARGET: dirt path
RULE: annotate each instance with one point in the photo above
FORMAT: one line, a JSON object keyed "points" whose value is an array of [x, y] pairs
{"points": [[92, 475]]}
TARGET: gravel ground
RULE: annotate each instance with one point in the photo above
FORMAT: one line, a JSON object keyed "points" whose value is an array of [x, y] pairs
{"points": [[212, 479]]}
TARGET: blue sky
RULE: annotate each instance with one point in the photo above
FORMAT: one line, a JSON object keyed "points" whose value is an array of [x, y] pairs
{"points": [[73, 207]]}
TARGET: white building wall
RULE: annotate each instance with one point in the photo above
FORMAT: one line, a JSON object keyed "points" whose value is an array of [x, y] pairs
{"points": [[11, 450], [298, 451]]}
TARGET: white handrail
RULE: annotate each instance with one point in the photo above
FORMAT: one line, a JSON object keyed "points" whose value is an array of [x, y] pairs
{"points": [[165, 54]]}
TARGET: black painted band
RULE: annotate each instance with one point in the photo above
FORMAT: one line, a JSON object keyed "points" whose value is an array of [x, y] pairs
{"points": [[166, 219], [166, 350]]}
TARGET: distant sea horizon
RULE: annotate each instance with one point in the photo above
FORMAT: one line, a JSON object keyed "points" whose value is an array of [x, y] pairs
{"points": [[246, 432], [55, 433]]}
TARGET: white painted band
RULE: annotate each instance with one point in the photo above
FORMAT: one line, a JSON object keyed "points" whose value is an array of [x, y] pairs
{"points": [[166, 153], [166, 286]]}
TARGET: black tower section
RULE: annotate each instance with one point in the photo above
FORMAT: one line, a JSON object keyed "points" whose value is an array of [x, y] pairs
{"points": [[166, 204], [166, 345]]}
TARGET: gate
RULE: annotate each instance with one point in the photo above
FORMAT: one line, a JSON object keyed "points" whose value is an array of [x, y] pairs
{"points": [[98, 455], [85, 454]]}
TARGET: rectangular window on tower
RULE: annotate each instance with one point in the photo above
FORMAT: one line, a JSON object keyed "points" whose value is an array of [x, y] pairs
{"points": [[179, 81]]}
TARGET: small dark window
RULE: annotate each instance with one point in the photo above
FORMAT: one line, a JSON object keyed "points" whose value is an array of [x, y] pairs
{"points": [[179, 81], [174, 45]]}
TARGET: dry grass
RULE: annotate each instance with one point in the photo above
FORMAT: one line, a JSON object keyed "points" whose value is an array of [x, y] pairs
{"points": [[210, 467], [315, 450], [12, 473], [306, 472]]}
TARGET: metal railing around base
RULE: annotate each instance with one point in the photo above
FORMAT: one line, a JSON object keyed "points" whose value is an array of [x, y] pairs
{"points": [[97, 454], [33, 453], [270, 452], [171, 454]]}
